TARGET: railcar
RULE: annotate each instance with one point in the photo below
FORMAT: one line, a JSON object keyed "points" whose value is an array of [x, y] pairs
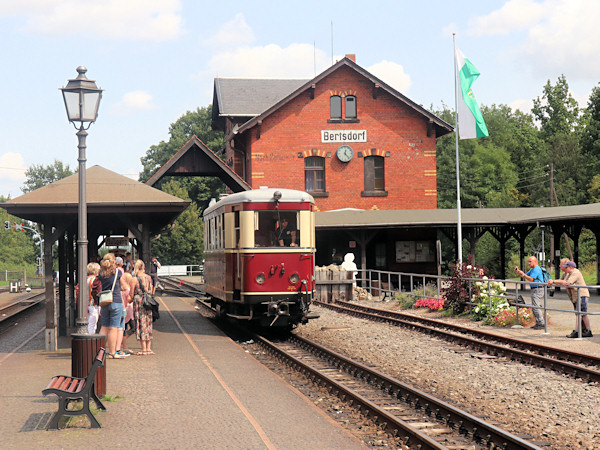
{"points": [[252, 271]]}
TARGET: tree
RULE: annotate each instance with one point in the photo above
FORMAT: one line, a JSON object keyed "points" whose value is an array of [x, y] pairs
{"points": [[184, 243], [590, 139], [17, 248], [37, 175], [558, 113]]}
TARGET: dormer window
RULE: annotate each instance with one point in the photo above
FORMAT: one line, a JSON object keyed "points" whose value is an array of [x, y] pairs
{"points": [[342, 107]]}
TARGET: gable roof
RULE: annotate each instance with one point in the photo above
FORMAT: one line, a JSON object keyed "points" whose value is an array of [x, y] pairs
{"points": [[196, 159], [108, 195], [442, 128], [246, 97]]}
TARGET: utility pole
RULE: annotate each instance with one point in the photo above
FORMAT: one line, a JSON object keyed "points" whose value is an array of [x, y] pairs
{"points": [[553, 256]]}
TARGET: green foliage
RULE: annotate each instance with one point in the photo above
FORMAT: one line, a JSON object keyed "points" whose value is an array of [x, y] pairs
{"points": [[184, 244], [37, 176], [489, 299], [406, 301], [198, 123], [458, 290], [17, 248]]}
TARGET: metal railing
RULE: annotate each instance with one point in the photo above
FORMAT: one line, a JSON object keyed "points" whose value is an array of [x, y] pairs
{"points": [[389, 283]]}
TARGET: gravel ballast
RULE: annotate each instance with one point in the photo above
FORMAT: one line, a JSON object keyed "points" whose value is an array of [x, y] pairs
{"points": [[537, 404]]}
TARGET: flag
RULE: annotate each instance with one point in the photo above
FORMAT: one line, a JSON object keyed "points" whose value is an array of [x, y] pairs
{"points": [[470, 120]]}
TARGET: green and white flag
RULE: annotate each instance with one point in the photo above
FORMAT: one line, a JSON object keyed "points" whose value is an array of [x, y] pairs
{"points": [[470, 120]]}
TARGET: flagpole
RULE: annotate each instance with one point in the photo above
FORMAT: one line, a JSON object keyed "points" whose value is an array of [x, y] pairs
{"points": [[458, 218]]}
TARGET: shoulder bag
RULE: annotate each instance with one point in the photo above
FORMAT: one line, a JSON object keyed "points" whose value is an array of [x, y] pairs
{"points": [[148, 301], [106, 297]]}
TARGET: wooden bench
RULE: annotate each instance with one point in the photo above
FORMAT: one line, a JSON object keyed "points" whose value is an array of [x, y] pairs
{"points": [[70, 389]]}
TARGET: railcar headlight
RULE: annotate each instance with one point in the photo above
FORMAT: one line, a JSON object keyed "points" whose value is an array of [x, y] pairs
{"points": [[260, 278], [294, 278]]}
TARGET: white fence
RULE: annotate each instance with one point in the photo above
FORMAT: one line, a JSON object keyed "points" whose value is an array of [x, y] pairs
{"points": [[181, 270]]}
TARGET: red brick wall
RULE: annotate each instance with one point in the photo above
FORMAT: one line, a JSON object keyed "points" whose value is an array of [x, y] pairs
{"points": [[410, 170]]}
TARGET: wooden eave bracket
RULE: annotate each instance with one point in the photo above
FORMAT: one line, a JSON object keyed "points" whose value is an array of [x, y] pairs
{"points": [[430, 128], [313, 87], [258, 127]]}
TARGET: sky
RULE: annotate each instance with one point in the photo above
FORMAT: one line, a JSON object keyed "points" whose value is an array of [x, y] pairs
{"points": [[157, 59]]}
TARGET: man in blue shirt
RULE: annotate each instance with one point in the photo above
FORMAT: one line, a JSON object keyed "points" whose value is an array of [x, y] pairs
{"points": [[534, 274]]}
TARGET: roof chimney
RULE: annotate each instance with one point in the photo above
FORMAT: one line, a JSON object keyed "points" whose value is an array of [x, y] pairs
{"points": [[351, 57]]}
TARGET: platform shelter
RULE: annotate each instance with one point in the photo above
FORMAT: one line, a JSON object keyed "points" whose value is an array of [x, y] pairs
{"points": [[116, 206]]}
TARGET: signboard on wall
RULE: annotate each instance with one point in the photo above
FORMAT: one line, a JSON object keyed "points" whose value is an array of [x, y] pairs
{"points": [[415, 251]]}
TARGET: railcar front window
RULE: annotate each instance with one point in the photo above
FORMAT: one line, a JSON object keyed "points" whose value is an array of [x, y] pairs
{"points": [[276, 229]]}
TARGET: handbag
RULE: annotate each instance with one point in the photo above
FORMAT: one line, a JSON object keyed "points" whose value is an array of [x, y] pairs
{"points": [[106, 297], [148, 300]]}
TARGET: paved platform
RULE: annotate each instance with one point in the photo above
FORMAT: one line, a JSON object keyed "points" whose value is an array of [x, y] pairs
{"points": [[200, 390]]}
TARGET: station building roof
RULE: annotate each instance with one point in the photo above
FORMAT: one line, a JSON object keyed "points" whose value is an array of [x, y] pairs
{"points": [[113, 200], [470, 217]]}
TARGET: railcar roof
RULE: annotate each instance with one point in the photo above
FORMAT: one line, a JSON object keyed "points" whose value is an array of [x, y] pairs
{"points": [[262, 195]]}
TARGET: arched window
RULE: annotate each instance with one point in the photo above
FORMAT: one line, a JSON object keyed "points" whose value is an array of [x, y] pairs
{"points": [[335, 107], [314, 174], [374, 176], [350, 106]]}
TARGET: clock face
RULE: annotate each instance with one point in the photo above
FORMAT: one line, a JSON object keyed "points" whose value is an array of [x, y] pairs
{"points": [[345, 153]]}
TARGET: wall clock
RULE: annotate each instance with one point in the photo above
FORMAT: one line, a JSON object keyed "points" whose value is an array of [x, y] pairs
{"points": [[344, 153]]}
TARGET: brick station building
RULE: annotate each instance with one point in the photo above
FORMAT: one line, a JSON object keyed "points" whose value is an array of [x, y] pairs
{"points": [[347, 138]]}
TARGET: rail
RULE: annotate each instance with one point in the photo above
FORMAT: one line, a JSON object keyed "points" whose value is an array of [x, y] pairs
{"points": [[390, 284]]}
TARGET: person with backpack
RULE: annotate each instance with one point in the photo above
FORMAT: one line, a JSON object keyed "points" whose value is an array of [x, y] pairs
{"points": [[535, 275]]}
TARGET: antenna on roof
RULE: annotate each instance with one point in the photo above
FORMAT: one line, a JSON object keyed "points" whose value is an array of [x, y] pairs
{"points": [[332, 42], [315, 58]]}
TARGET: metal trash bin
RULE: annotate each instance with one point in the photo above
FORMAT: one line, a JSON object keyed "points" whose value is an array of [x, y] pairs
{"points": [[84, 348]]}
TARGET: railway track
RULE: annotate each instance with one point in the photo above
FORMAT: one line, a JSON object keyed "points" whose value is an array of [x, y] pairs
{"points": [[412, 417], [570, 363], [19, 307]]}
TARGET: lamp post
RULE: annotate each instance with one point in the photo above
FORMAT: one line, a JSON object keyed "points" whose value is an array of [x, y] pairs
{"points": [[82, 98]]}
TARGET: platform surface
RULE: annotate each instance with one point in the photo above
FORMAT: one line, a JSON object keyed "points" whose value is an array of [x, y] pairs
{"points": [[200, 390]]}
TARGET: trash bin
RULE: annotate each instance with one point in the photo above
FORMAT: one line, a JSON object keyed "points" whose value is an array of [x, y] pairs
{"points": [[84, 348]]}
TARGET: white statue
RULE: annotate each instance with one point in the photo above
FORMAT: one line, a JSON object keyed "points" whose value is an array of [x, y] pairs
{"points": [[350, 266]]}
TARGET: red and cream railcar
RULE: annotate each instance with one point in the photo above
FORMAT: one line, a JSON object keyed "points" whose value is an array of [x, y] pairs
{"points": [[249, 275]]}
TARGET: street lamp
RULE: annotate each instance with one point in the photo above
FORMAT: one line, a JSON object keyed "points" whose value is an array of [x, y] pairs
{"points": [[82, 98]]}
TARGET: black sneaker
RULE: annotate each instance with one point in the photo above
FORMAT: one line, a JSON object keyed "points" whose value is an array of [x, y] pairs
{"points": [[573, 334], [587, 333], [537, 326]]}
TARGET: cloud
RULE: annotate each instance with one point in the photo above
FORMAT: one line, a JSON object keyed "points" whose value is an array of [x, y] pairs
{"points": [[133, 101], [270, 61], [12, 174], [560, 36], [232, 33], [392, 74], [514, 15], [152, 20]]}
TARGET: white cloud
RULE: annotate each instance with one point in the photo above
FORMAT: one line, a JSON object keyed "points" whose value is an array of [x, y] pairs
{"points": [[133, 101], [154, 20], [514, 15], [392, 74], [232, 33], [560, 36], [12, 174], [270, 61]]}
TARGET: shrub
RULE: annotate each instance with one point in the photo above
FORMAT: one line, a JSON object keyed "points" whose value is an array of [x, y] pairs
{"points": [[489, 299], [508, 317], [456, 290], [405, 301], [433, 304]]}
